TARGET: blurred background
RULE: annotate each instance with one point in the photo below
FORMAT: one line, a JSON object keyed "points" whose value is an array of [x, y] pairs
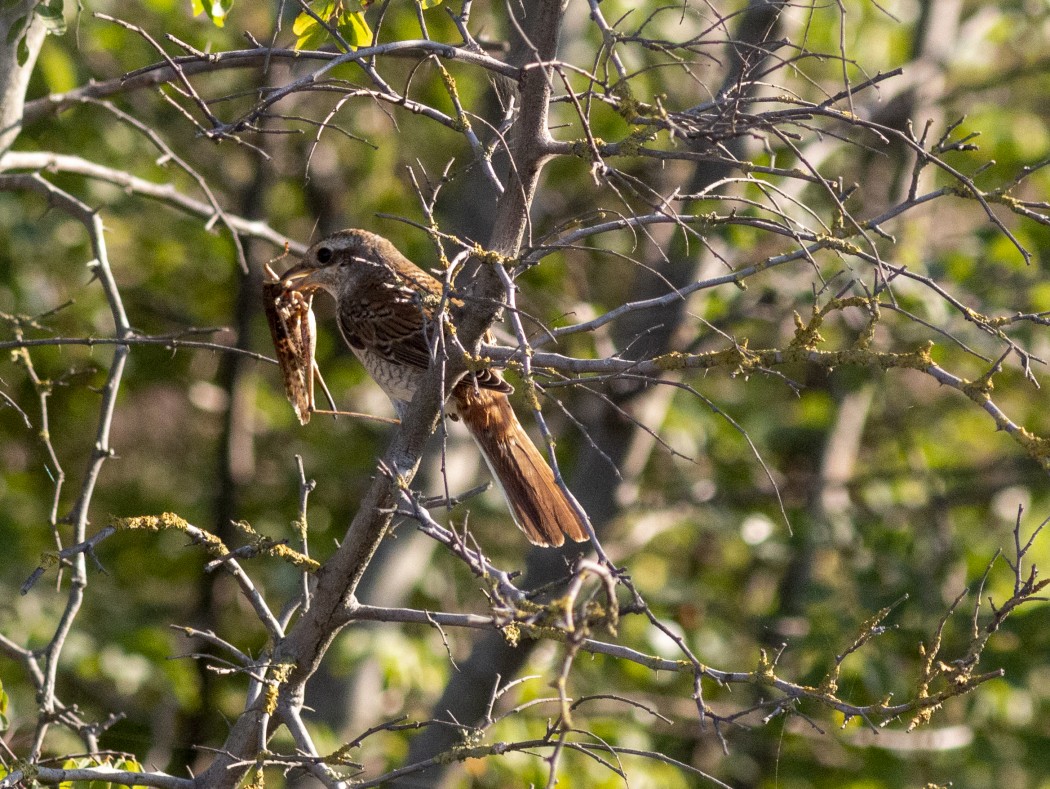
{"points": [[892, 485]]}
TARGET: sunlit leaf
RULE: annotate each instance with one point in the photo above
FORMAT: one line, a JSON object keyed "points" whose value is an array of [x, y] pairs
{"points": [[345, 16], [218, 10], [305, 21], [355, 30], [74, 764], [103, 766], [311, 34], [131, 766]]}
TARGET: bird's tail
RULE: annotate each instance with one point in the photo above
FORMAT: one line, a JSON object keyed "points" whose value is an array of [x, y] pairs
{"points": [[539, 507]]}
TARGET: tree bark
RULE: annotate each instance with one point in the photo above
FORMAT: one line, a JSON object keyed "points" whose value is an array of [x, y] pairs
{"points": [[14, 76]]}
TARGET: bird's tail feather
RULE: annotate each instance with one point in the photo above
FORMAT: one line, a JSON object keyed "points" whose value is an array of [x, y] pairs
{"points": [[539, 506]]}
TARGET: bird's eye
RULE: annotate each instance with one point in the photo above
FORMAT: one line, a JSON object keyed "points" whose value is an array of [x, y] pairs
{"points": [[324, 254]]}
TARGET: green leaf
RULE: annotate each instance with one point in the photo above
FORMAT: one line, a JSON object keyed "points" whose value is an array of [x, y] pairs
{"points": [[16, 29], [304, 22], [23, 51], [346, 16], [425, 4], [217, 10], [131, 766], [355, 30], [50, 13], [311, 34], [87, 762], [73, 764], [220, 9]]}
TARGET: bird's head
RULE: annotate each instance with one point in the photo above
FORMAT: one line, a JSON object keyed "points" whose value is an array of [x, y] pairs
{"points": [[337, 263]]}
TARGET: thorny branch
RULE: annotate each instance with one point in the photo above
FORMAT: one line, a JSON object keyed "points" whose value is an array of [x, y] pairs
{"points": [[77, 517]]}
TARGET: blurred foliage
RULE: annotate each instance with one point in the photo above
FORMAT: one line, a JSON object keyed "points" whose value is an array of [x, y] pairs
{"points": [[934, 493]]}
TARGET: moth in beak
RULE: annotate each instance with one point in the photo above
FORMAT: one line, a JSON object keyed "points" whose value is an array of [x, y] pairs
{"points": [[294, 330]]}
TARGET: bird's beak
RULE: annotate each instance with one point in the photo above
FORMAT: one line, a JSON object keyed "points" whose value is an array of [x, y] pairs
{"points": [[301, 277]]}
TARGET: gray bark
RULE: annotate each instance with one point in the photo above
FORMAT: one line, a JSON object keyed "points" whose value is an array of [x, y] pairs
{"points": [[14, 78]]}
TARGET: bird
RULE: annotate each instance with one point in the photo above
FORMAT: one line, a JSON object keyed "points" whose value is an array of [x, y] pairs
{"points": [[385, 307]]}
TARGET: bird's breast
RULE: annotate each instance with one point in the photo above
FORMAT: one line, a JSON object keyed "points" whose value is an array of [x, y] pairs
{"points": [[398, 381]]}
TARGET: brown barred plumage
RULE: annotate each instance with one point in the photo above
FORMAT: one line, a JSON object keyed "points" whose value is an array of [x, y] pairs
{"points": [[385, 309]]}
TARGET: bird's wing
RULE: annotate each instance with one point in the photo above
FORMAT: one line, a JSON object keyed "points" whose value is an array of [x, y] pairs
{"points": [[392, 327]]}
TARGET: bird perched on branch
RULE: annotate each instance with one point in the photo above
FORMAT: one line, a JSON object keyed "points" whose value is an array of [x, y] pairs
{"points": [[385, 306]]}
